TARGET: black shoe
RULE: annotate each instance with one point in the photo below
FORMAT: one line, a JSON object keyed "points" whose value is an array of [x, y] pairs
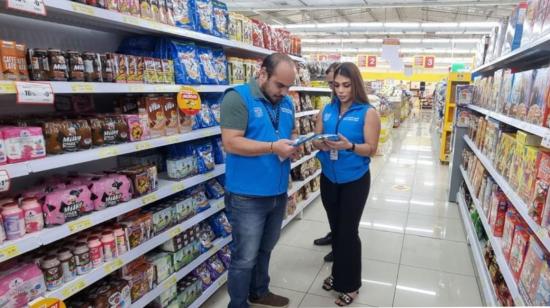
{"points": [[324, 241], [329, 257]]}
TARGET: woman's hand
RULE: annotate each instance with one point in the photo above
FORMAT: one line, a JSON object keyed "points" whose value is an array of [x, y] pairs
{"points": [[342, 144], [321, 145]]}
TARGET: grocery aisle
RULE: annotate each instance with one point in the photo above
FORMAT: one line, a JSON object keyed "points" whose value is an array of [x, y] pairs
{"points": [[414, 246]]}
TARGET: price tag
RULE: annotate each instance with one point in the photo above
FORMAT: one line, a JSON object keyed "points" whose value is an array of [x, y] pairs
{"points": [[82, 87], [7, 87], [9, 252], [79, 225], [178, 187], [84, 9], [113, 265], [150, 198], [143, 145], [222, 281], [131, 20], [175, 231], [220, 205], [161, 88], [108, 152], [546, 141], [30, 6], [170, 282], [136, 88], [73, 288], [172, 139], [40, 93], [4, 181]]}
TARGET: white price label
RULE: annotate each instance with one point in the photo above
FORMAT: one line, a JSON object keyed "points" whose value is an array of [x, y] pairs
{"points": [[546, 141], [34, 93], [4, 181], [31, 6]]}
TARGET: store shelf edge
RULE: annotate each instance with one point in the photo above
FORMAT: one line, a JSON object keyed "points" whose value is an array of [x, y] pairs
{"points": [[210, 291], [518, 203], [496, 245], [303, 160]]}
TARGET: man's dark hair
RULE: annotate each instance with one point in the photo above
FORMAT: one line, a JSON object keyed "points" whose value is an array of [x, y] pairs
{"points": [[332, 67], [273, 60]]}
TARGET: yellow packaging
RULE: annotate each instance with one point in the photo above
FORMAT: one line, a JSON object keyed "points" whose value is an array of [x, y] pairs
{"points": [[235, 27], [506, 141], [515, 171], [528, 139], [247, 30], [528, 173]]}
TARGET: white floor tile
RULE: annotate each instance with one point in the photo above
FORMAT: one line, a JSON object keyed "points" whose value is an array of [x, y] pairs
{"points": [[308, 231], [426, 288], [294, 297], [436, 227], [311, 301], [220, 299], [431, 207], [294, 268], [381, 245], [447, 256], [378, 279], [316, 212], [387, 202], [383, 220]]}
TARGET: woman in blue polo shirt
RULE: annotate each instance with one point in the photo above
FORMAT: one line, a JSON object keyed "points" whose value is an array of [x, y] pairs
{"points": [[345, 181]]}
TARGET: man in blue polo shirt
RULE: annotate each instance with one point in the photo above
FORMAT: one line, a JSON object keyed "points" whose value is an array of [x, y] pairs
{"points": [[257, 121]]}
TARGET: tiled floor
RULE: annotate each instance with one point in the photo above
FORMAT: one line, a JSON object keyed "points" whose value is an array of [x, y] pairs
{"points": [[414, 246]]}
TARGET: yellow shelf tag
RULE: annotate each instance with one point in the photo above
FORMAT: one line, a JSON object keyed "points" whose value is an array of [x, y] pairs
{"points": [[82, 87], [136, 88], [131, 20], [144, 146], [170, 282], [108, 152], [175, 231], [178, 187], [7, 87], [84, 9], [74, 288], [79, 225], [113, 265], [150, 198], [9, 252]]}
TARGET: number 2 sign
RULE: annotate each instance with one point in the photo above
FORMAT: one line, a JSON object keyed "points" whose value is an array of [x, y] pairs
{"points": [[371, 61]]}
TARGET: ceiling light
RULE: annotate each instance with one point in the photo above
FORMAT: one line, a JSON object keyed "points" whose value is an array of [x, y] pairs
{"points": [[474, 24], [375, 40], [466, 40], [406, 40], [366, 25], [439, 24], [401, 25], [436, 40], [295, 26], [333, 25]]}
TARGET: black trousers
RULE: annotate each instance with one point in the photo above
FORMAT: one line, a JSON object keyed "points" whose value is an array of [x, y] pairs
{"points": [[344, 204]]}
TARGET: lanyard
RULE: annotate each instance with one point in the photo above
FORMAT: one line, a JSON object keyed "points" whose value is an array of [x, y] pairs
{"points": [[274, 116]]}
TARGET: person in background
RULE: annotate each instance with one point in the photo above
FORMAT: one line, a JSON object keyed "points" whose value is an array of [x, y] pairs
{"points": [[345, 179], [257, 123], [327, 240]]}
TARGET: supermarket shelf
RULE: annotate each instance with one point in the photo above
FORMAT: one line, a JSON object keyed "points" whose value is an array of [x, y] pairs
{"points": [[311, 89], [69, 159], [175, 277], [536, 51], [71, 13], [210, 291], [307, 113], [496, 245], [528, 127], [32, 241], [487, 288], [300, 207], [303, 160], [299, 184], [518, 203], [96, 274]]}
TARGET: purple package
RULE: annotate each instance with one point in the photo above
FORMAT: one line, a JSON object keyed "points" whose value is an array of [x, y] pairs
{"points": [[67, 204], [225, 255], [110, 190], [202, 273], [216, 267]]}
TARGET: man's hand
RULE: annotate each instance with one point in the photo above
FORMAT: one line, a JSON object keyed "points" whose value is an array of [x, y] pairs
{"points": [[284, 148]]}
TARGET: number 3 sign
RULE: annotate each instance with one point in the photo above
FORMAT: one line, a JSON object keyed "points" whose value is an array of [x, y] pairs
{"points": [[429, 62]]}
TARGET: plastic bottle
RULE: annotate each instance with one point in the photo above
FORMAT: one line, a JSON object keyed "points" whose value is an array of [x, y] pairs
{"points": [[34, 217], [109, 246], [120, 239], [14, 221], [96, 251], [68, 264], [53, 273], [82, 258]]}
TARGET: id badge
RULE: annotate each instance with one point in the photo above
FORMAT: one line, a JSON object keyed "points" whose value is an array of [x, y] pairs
{"points": [[333, 154]]}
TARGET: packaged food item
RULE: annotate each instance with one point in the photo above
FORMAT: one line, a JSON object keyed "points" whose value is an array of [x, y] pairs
{"points": [[225, 256], [220, 64], [23, 73], [140, 280], [76, 66], [110, 190], [32, 211], [145, 9], [133, 75], [66, 204], [184, 12], [236, 70], [203, 16], [162, 262], [167, 71], [203, 274], [23, 143], [30, 285], [206, 237], [13, 221], [58, 66], [214, 190], [543, 288], [140, 64], [8, 53], [120, 68], [186, 63], [138, 129], [68, 264], [208, 70], [235, 28], [171, 114], [152, 106], [53, 272], [149, 75], [155, 10], [257, 33], [170, 13], [216, 267], [249, 29], [82, 258], [205, 118], [520, 244], [107, 67], [530, 273], [221, 19], [220, 225], [205, 158], [217, 147], [38, 64], [92, 67]]}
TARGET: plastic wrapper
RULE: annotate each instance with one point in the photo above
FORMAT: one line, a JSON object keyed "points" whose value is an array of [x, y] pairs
{"points": [[186, 63], [203, 16], [214, 190], [225, 256], [205, 158], [205, 118], [206, 237], [220, 225], [220, 64], [221, 19], [202, 273], [217, 147], [209, 73], [216, 267], [184, 13]]}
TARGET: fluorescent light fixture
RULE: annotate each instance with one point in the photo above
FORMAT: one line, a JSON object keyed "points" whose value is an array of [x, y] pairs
{"points": [[477, 24], [299, 26], [396, 201], [466, 40], [368, 50], [366, 25], [333, 25], [439, 24], [436, 40], [402, 25], [375, 40], [409, 40]]}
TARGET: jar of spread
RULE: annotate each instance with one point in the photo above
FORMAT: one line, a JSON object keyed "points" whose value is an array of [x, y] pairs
{"points": [[82, 258], [14, 221], [68, 264], [34, 218], [58, 65], [120, 239], [89, 59], [76, 66], [96, 251], [38, 64], [53, 273], [109, 246]]}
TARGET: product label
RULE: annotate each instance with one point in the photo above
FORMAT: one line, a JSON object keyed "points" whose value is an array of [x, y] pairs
{"points": [[4, 181], [9, 252], [34, 93], [79, 225], [31, 6], [150, 198]]}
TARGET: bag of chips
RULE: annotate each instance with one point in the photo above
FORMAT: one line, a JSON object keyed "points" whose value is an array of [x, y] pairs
{"points": [[214, 190], [208, 70], [217, 147], [184, 14], [205, 158], [203, 16], [221, 19], [216, 267], [206, 237], [220, 63], [220, 225], [186, 63]]}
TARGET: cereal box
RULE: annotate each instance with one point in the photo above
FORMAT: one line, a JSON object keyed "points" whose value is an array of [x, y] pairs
{"points": [[506, 88], [497, 84], [531, 159], [520, 244], [152, 107], [515, 169], [542, 297], [525, 94], [513, 220], [530, 274], [509, 157], [497, 215]]}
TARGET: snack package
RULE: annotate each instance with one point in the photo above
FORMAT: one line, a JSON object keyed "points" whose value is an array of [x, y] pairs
{"points": [[220, 64], [200, 201], [216, 267], [186, 63], [217, 147], [542, 298], [221, 19], [138, 129], [520, 244], [248, 32], [235, 28], [257, 33], [209, 73], [184, 14], [203, 274], [214, 102], [152, 107], [8, 63], [20, 50], [205, 158], [205, 118], [536, 105], [67, 204], [23, 143], [220, 225], [21, 284], [530, 274], [203, 16], [225, 256], [206, 237], [214, 190], [171, 114], [109, 190], [513, 221]]}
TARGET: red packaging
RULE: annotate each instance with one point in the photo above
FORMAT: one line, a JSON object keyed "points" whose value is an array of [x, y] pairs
{"points": [[530, 274], [276, 40], [513, 220], [520, 244], [498, 200], [257, 34], [537, 207], [268, 36], [500, 217], [287, 41]]}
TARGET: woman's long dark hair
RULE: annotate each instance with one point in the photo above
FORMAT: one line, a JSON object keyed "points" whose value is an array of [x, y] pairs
{"points": [[351, 71]]}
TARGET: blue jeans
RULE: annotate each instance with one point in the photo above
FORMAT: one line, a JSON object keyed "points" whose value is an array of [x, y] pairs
{"points": [[256, 223]]}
